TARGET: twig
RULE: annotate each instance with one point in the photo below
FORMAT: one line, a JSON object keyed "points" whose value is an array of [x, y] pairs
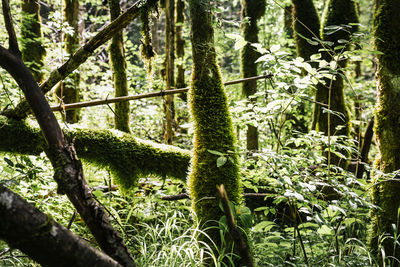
{"points": [[240, 243], [186, 195]]}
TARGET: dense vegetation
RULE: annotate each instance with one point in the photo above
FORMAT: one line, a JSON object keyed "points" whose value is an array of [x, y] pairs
{"points": [[294, 149]]}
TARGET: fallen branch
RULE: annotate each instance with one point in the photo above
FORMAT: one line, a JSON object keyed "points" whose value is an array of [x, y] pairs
{"points": [[186, 196], [142, 96]]}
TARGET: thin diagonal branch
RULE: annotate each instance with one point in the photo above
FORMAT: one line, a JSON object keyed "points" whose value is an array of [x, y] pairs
{"points": [[12, 37], [82, 54]]}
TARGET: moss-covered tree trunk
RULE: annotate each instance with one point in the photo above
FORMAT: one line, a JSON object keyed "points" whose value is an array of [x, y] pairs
{"points": [[118, 66], [387, 127], [212, 124], [306, 25], [180, 44], [336, 13], [69, 88], [32, 48], [169, 107], [253, 10]]}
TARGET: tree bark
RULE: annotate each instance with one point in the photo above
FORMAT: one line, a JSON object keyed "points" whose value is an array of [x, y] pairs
{"points": [[385, 192], [36, 234], [118, 66], [32, 49], [68, 90], [254, 10], [169, 105]]}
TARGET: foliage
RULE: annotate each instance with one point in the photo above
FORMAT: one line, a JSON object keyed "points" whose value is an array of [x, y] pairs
{"points": [[311, 213]]}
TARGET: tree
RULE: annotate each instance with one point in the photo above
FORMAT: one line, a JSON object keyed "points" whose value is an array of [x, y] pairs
{"points": [[385, 192], [118, 65], [207, 99], [253, 10]]}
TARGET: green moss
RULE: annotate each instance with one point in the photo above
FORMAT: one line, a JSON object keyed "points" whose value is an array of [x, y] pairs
{"points": [[127, 157], [212, 124], [253, 10], [306, 24], [387, 126], [118, 66], [146, 49], [32, 49]]}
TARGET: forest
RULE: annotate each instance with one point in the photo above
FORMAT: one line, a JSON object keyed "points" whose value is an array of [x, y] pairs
{"points": [[200, 133]]}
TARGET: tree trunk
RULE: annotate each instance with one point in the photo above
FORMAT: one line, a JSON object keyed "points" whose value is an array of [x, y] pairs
{"points": [[180, 46], [213, 127], [118, 66], [254, 10], [169, 107], [36, 234], [32, 49], [337, 12], [385, 194], [68, 90]]}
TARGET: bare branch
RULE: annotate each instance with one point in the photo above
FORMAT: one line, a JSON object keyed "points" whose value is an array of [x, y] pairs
{"points": [[142, 96]]}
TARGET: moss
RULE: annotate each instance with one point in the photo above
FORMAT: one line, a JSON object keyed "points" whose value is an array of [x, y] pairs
{"points": [[69, 87], [146, 49], [169, 105], [253, 10], [127, 157], [118, 65], [212, 124], [306, 24], [32, 49], [387, 126]]}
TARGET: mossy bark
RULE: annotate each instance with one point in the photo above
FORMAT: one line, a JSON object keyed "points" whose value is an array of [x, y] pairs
{"points": [[387, 128], [253, 10], [127, 157], [68, 89], [118, 66], [212, 125], [337, 13], [32, 48], [169, 105]]}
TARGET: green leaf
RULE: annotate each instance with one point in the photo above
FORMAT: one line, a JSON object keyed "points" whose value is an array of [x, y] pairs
{"points": [[9, 162], [221, 161], [246, 220], [98, 193], [215, 152], [325, 230]]}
